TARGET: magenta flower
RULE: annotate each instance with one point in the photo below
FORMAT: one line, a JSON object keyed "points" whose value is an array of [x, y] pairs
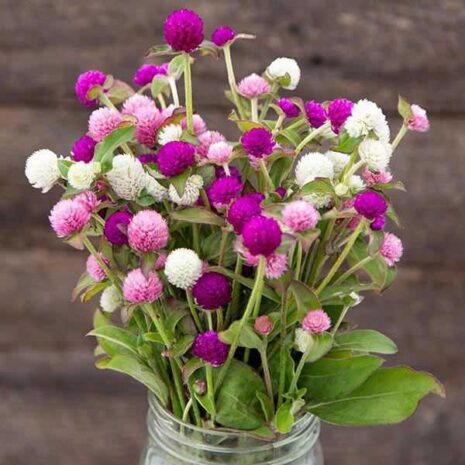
{"points": [[183, 30], [258, 142], [290, 109], [263, 325], [391, 248], [418, 122], [241, 211], [212, 291], [261, 235], [253, 86], [146, 158], [145, 74], [103, 122], [142, 288], [316, 113], [175, 157], [222, 35], [316, 321], [223, 191], [93, 268], [378, 223], [115, 229], [148, 231], [300, 215], [370, 204], [281, 191], [233, 171], [83, 149], [210, 348], [85, 82], [338, 112]]}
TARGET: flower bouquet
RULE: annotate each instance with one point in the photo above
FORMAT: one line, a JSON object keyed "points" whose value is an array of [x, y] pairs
{"points": [[227, 270]]}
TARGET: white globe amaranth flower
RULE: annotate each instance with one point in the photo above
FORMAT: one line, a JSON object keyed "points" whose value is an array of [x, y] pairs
{"points": [[127, 177], [183, 268], [338, 159], [110, 300], [42, 169], [367, 117], [282, 66], [375, 154], [318, 199], [155, 189], [311, 166], [191, 191], [355, 183], [81, 175], [169, 133], [302, 340]]}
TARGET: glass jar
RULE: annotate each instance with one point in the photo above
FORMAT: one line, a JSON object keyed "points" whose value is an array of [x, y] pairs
{"points": [[172, 442]]}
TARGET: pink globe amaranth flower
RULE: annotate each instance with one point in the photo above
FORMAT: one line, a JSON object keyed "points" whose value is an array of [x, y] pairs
{"points": [[88, 199], [148, 231], [241, 211], [83, 149], [276, 265], [378, 223], [85, 82], [145, 74], [263, 325], [146, 158], [253, 86], [261, 235], [212, 291], [149, 121], [372, 178], [103, 122], [210, 348], [233, 171], [220, 153], [199, 124], [93, 268], [419, 121], [142, 288], [316, 321], [391, 248], [160, 261], [208, 138], [223, 191], [281, 191], [183, 30], [290, 109], [222, 35], [175, 157], [258, 142], [338, 112], [136, 103], [316, 114], [370, 204], [115, 229], [68, 217], [300, 215]]}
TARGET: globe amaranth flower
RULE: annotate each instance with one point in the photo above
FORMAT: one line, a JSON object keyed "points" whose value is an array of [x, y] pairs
{"points": [[183, 30], [316, 321], [42, 169], [276, 265], [110, 300], [376, 154], [212, 291], [282, 66], [94, 269], [191, 193], [418, 122], [68, 217], [88, 199], [142, 288], [302, 340], [146, 158], [115, 229], [241, 211], [155, 189], [220, 153], [83, 149], [338, 112], [145, 74], [85, 82], [300, 215], [103, 122], [378, 223], [258, 142], [149, 121], [253, 86], [311, 166], [391, 248], [338, 159], [127, 177], [263, 325], [210, 348], [223, 191], [148, 231], [261, 235], [175, 157], [183, 268], [316, 113], [367, 117], [208, 138], [372, 178], [233, 171], [169, 133], [81, 175], [290, 109], [370, 204], [136, 103], [222, 35], [281, 191], [198, 123]]}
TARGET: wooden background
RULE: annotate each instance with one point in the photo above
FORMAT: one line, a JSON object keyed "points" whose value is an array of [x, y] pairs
{"points": [[55, 407]]}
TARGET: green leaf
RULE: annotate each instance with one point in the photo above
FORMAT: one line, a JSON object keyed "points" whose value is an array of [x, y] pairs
{"points": [[280, 168], [109, 347], [117, 336], [153, 337], [176, 66], [275, 369], [305, 297], [104, 149], [289, 135], [158, 85], [389, 395], [140, 372], [320, 186], [347, 144], [197, 215], [63, 167], [179, 182], [365, 340], [119, 92], [173, 319], [284, 418], [404, 108], [160, 50], [322, 344], [191, 367], [267, 405], [248, 337], [182, 345]]}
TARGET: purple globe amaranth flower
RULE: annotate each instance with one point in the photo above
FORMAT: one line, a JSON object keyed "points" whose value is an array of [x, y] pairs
{"points": [[222, 34], [85, 82], [223, 191], [370, 204], [210, 348], [261, 235], [233, 171], [212, 291], [145, 74], [83, 149], [378, 223], [338, 111], [241, 211], [115, 229], [290, 109], [257, 197], [183, 30], [281, 191], [175, 157], [145, 158], [258, 142], [316, 113]]}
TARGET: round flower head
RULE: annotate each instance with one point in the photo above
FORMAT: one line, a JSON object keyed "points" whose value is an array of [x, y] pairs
{"points": [[145, 74], [338, 159], [282, 66], [300, 215], [88, 199], [378, 223], [136, 103], [93, 268], [276, 265], [42, 169], [208, 138], [338, 112], [175, 157], [375, 154], [261, 235], [210, 348], [316, 321], [370, 204], [183, 268], [83, 149], [302, 340], [110, 300], [223, 191], [281, 191], [258, 142], [146, 158], [212, 291], [103, 122], [311, 166], [85, 82], [367, 117], [115, 229], [149, 121], [419, 120], [155, 189], [290, 109], [253, 86], [191, 191], [391, 248], [142, 288], [68, 217], [199, 124], [148, 231], [220, 153], [241, 211], [316, 114], [169, 133], [376, 178], [233, 171], [81, 175], [263, 325], [222, 35], [183, 30], [127, 177]]}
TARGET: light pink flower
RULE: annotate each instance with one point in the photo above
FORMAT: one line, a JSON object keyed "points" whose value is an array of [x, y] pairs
{"points": [[372, 178], [276, 265], [148, 231], [68, 217], [139, 288], [391, 248], [418, 122], [208, 138], [134, 104], [300, 215], [88, 199], [263, 325], [220, 152], [149, 121], [253, 86], [94, 269], [104, 121], [199, 124], [316, 321], [160, 261]]}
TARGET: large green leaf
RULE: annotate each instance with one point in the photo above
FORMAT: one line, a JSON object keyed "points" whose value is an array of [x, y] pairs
{"points": [[389, 395], [117, 336], [305, 297], [197, 215], [365, 340]]}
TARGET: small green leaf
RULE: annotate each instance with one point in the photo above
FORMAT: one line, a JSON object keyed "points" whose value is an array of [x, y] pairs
{"points": [[284, 418], [179, 182], [347, 144], [160, 50], [158, 85], [176, 66], [267, 405], [404, 108], [119, 92], [104, 149], [191, 367], [198, 215], [117, 336], [320, 186], [182, 345], [322, 344], [248, 337], [365, 340], [153, 337], [63, 167], [305, 297]]}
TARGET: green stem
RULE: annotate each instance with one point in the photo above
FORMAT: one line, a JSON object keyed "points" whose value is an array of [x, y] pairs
{"points": [[351, 270], [188, 93], [209, 372], [269, 99], [223, 243], [315, 133], [320, 253], [400, 135], [194, 314], [231, 314], [339, 320], [300, 367], [162, 101], [186, 410], [266, 374], [232, 79], [266, 175], [205, 199], [299, 261], [282, 351], [174, 91], [254, 109], [196, 237]]}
